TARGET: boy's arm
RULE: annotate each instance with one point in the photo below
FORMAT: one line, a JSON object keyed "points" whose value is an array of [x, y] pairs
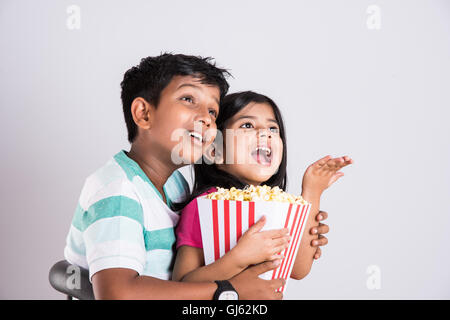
{"points": [[303, 262], [122, 283], [189, 266]]}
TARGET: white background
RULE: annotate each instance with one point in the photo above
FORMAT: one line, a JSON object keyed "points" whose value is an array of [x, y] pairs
{"points": [[380, 96]]}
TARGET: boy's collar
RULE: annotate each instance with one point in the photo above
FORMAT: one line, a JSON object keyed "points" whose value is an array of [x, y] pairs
{"points": [[132, 169]]}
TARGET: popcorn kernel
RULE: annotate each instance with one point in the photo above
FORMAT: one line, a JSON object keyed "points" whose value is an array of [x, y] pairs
{"points": [[254, 193]]}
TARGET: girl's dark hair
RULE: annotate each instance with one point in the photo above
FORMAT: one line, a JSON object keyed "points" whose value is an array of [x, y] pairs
{"points": [[209, 175]]}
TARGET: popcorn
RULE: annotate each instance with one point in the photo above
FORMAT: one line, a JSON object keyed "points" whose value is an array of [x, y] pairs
{"points": [[258, 193], [225, 215]]}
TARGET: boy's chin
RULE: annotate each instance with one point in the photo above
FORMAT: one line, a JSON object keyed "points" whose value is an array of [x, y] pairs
{"points": [[185, 158], [191, 158], [189, 155]]}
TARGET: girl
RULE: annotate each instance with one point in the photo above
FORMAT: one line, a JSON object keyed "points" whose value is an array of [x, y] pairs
{"points": [[254, 153]]}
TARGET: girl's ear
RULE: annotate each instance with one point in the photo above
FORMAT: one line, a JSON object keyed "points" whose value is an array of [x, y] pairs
{"points": [[142, 113]]}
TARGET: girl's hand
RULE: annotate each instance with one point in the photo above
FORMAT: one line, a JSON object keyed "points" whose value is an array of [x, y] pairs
{"points": [[257, 246], [322, 174]]}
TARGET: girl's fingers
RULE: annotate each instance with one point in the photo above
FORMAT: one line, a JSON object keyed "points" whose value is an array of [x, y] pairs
{"points": [[280, 244], [277, 233], [335, 177], [283, 241], [257, 226], [346, 163], [346, 160], [279, 249], [337, 163], [322, 161], [276, 256], [329, 166]]}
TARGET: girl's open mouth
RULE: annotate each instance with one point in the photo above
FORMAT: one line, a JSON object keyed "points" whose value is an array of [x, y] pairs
{"points": [[262, 155]]}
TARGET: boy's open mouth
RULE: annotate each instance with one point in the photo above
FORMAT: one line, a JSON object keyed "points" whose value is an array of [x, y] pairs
{"points": [[262, 155], [196, 137]]}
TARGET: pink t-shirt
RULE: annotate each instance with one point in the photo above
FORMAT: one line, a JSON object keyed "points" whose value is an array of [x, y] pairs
{"points": [[188, 230]]}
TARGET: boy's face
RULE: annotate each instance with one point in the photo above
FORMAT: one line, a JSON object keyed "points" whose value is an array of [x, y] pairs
{"points": [[183, 124]]}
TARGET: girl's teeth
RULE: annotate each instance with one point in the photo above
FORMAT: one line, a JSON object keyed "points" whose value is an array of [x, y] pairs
{"points": [[267, 150], [262, 155]]}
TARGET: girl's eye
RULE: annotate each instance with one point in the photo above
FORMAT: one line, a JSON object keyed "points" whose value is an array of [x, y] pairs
{"points": [[274, 130], [246, 125], [187, 99], [213, 113]]}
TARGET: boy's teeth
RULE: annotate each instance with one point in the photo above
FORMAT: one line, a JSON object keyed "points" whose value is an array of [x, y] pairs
{"points": [[196, 135]]}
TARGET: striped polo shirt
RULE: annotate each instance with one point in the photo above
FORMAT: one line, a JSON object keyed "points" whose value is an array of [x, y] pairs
{"points": [[121, 221]]}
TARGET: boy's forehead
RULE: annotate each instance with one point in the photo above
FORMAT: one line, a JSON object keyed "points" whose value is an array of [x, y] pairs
{"points": [[181, 81]]}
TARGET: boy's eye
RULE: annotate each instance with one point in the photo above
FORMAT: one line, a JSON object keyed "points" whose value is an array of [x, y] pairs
{"points": [[187, 99], [246, 125], [213, 113]]}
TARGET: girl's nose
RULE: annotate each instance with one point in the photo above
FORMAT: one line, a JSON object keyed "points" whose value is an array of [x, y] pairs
{"points": [[264, 133]]}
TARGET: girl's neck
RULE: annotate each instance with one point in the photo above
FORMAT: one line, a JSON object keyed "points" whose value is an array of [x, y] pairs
{"points": [[253, 183], [223, 169]]}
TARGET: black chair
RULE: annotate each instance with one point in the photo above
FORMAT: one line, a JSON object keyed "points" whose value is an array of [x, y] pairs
{"points": [[78, 287]]}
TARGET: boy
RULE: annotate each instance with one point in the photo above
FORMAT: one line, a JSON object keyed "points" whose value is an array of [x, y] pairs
{"points": [[123, 228]]}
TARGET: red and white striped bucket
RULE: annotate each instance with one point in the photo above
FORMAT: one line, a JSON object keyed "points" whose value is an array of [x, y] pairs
{"points": [[223, 222]]}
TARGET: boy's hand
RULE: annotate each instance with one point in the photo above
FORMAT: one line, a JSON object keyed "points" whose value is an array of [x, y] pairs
{"points": [[320, 230], [322, 174], [256, 246], [249, 285]]}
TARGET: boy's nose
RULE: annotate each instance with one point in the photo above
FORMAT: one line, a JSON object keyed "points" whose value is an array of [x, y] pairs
{"points": [[204, 122], [204, 118]]}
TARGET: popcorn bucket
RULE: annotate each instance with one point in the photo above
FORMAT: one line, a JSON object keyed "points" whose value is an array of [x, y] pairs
{"points": [[223, 222]]}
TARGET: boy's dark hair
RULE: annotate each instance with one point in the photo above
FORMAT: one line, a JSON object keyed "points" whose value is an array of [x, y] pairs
{"points": [[153, 74], [209, 175]]}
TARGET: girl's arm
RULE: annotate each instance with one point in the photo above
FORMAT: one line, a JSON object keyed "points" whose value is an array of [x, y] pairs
{"points": [[253, 247], [189, 266], [318, 177]]}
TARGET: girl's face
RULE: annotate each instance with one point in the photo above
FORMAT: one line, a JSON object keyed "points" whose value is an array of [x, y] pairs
{"points": [[253, 148]]}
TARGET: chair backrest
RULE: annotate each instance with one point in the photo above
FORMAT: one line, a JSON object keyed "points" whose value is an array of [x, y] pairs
{"points": [[71, 280]]}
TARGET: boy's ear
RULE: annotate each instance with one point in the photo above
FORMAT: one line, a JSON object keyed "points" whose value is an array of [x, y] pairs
{"points": [[142, 113]]}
